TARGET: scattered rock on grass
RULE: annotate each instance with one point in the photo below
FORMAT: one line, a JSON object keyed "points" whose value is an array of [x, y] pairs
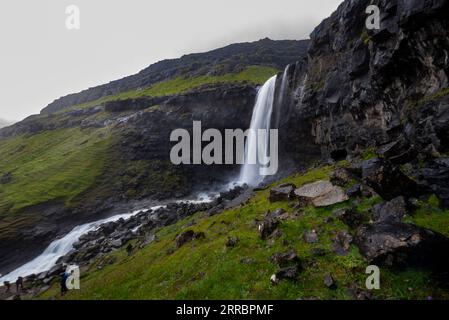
{"points": [[268, 226], [282, 192], [289, 273], [321, 194], [286, 259], [232, 242], [330, 282], [350, 217], [342, 243], [188, 236], [311, 236]]}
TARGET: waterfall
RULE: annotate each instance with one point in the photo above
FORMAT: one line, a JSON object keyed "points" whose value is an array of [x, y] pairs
{"points": [[283, 85], [261, 119], [302, 90]]}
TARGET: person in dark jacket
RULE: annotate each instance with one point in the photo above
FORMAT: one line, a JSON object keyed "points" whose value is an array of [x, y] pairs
{"points": [[64, 277], [19, 285]]}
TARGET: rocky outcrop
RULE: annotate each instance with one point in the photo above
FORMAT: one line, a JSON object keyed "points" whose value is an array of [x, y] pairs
{"points": [[357, 87], [386, 89]]}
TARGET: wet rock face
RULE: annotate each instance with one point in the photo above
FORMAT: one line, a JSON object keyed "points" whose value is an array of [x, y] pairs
{"points": [[361, 83]]}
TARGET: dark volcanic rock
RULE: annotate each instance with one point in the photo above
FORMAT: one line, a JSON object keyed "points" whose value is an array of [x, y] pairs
{"points": [[402, 244], [184, 237], [387, 180], [354, 191], [350, 217], [342, 243], [330, 282], [340, 177], [232, 242], [268, 226], [398, 151], [435, 178], [282, 192], [289, 273], [311, 237], [286, 259], [391, 211]]}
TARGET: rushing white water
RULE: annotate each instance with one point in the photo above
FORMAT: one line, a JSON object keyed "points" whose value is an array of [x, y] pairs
{"points": [[63, 246], [60, 247], [261, 119]]}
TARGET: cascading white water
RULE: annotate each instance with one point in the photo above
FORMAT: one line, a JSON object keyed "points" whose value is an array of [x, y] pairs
{"points": [[61, 247], [261, 119]]}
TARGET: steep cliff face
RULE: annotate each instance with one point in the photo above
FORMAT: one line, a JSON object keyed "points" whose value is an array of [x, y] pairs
{"points": [[361, 88]]}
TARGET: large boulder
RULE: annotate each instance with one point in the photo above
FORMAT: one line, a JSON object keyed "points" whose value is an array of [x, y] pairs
{"points": [[391, 211], [387, 179], [398, 151], [395, 243], [282, 192], [321, 194]]}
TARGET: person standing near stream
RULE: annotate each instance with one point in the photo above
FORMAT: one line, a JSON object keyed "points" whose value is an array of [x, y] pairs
{"points": [[64, 277]]}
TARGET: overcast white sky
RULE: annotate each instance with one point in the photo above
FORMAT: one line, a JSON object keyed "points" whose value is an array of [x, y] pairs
{"points": [[40, 60]]}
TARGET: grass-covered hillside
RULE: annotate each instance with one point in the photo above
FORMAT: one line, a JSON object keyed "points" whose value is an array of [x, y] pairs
{"points": [[231, 59], [208, 268], [61, 163], [75, 163], [255, 75]]}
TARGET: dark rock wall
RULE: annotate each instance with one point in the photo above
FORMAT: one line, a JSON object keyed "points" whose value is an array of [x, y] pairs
{"points": [[363, 88]]}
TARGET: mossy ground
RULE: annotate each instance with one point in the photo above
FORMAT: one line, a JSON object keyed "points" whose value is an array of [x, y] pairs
{"points": [[207, 269]]}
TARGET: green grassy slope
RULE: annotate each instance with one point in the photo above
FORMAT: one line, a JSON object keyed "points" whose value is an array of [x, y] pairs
{"points": [[207, 269], [57, 164], [253, 74]]}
